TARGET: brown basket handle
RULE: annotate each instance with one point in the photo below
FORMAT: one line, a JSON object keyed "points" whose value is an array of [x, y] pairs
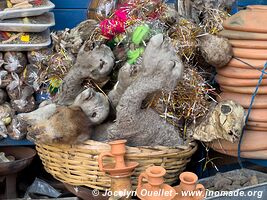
{"points": [[140, 179], [100, 159]]}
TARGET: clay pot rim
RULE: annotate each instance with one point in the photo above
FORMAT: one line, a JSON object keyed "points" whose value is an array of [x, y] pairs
{"points": [[184, 176], [118, 142], [257, 7], [160, 171], [110, 168]]}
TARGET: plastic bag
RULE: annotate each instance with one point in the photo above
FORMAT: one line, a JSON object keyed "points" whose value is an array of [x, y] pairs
{"points": [[1, 59], [31, 76], [41, 56], [16, 62], [3, 130], [17, 129], [5, 78], [3, 96], [6, 113], [26, 102], [40, 187], [101, 9], [14, 87]]}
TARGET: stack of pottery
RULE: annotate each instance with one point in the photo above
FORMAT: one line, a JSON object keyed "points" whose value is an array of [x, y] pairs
{"points": [[120, 172], [247, 33]]}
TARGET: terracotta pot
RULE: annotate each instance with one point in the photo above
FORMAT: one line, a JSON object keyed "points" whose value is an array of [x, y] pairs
{"points": [[259, 64], [189, 184], [155, 189], [253, 19], [258, 115], [257, 124], [255, 128], [120, 172], [241, 35], [233, 72], [244, 90], [262, 155], [245, 99], [238, 82], [118, 151], [249, 44], [260, 54], [252, 141]]}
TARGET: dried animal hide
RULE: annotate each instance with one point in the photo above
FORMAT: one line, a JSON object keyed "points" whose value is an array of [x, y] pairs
{"points": [[127, 74], [162, 69], [225, 121], [96, 64], [66, 125], [94, 105]]}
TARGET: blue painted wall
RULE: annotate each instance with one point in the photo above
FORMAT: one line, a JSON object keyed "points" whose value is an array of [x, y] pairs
{"points": [[69, 13]]}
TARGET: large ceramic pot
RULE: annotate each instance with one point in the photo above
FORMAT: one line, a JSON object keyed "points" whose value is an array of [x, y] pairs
{"points": [[253, 19], [247, 33], [249, 44], [238, 82], [245, 99], [259, 64]]}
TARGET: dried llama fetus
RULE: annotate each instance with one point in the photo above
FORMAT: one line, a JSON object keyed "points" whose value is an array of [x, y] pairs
{"points": [[225, 121], [162, 70], [66, 125], [217, 51], [94, 104], [127, 74], [96, 64]]}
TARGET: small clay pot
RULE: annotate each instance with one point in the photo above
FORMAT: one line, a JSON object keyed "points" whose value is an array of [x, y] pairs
{"points": [[252, 141], [258, 115], [253, 19], [154, 176], [120, 168], [260, 54], [222, 80], [233, 72], [241, 35], [245, 99], [249, 44], [244, 90], [189, 183], [259, 64]]}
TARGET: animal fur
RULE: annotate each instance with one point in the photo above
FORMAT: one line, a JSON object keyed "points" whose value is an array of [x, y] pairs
{"points": [[127, 74], [96, 64], [225, 121], [162, 69], [67, 125]]}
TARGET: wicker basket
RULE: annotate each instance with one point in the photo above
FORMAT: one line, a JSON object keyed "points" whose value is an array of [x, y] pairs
{"points": [[77, 165]]}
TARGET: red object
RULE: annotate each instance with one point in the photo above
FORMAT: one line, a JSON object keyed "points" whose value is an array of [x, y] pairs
{"points": [[115, 25], [38, 2]]}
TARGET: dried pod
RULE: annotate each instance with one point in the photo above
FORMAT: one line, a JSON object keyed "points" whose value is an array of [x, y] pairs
{"points": [[217, 51]]}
